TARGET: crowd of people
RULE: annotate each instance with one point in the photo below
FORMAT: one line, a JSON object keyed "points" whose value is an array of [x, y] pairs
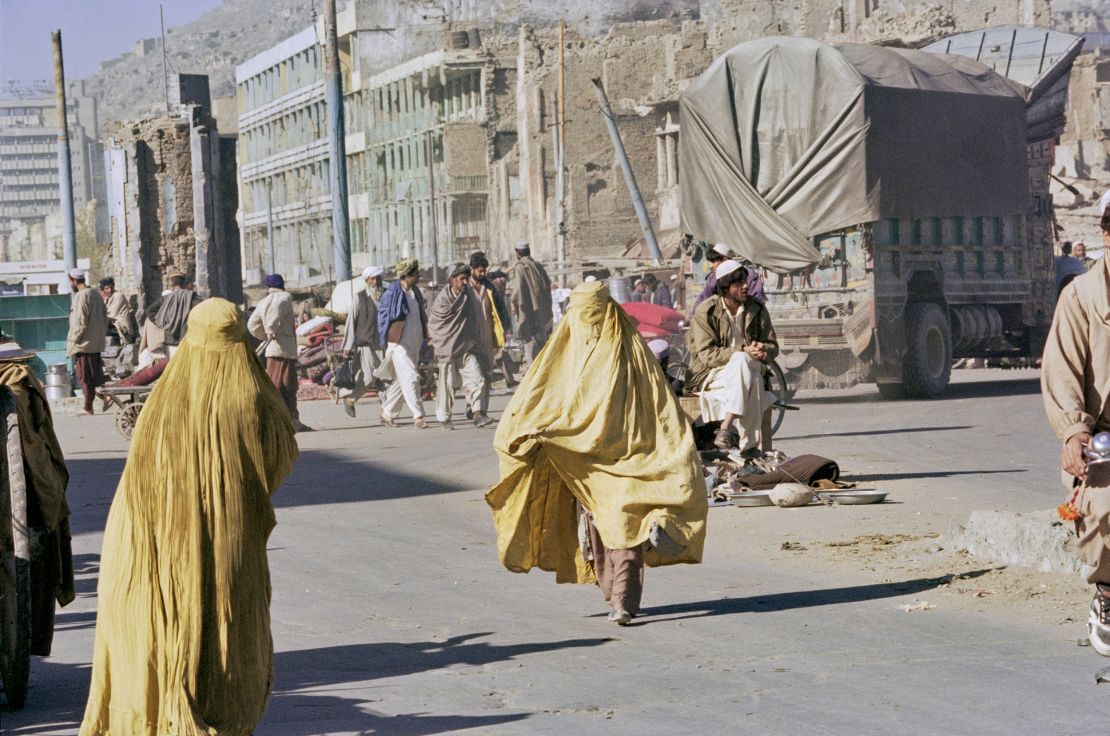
{"points": [[183, 623]]}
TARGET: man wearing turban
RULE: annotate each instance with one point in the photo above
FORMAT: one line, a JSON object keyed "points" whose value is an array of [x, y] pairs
{"points": [[731, 339], [402, 330]]}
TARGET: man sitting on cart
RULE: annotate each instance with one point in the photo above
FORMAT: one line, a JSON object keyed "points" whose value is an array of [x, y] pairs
{"points": [[731, 342]]}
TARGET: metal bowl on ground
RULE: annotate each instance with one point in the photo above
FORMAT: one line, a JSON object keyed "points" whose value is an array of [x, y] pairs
{"points": [[854, 497], [751, 498]]}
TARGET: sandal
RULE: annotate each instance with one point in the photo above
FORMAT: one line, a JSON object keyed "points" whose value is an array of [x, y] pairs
{"points": [[420, 423], [388, 421]]}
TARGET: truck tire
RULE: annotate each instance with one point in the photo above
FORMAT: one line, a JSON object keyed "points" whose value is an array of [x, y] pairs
{"points": [[927, 364]]}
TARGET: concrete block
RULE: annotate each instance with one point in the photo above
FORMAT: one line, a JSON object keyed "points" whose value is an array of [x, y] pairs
{"points": [[1037, 539]]}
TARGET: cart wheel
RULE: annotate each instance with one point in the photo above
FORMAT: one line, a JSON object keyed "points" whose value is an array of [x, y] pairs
{"points": [[127, 419], [15, 565], [781, 390]]}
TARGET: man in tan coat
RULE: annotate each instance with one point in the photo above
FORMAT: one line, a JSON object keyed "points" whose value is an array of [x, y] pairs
{"points": [[88, 328], [273, 322], [1075, 381], [731, 341]]}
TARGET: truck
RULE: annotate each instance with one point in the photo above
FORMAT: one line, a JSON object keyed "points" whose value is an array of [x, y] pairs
{"points": [[898, 199]]}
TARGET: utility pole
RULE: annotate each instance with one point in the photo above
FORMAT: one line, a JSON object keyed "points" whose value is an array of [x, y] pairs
{"points": [[165, 72], [629, 176], [65, 173], [337, 146], [428, 148], [270, 224], [560, 157]]}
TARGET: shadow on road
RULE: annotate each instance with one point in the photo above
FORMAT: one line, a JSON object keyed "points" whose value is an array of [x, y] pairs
{"points": [[875, 432], [875, 477], [800, 599], [327, 667], [300, 714], [318, 477], [307, 668], [984, 389]]}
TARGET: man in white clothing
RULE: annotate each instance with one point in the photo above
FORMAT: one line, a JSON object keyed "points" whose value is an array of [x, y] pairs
{"points": [[402, 329], [361, 337]]}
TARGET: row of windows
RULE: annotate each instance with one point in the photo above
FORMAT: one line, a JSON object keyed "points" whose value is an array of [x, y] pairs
{"points": [[299, 70], [288, 187], [295, 129]]}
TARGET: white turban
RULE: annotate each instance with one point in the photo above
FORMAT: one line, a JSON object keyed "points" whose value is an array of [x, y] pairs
{"points": [[372, 271], [77, 273], [726, 268]]}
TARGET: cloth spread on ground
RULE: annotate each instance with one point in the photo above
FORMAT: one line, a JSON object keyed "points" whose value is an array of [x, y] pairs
{"points": [[807, 469], [531, 299], [594, 420], [183, 641], [787, 138], [455, 324]]}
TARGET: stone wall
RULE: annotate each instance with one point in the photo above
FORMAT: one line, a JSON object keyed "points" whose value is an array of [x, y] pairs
{"points": [[172, 206]]}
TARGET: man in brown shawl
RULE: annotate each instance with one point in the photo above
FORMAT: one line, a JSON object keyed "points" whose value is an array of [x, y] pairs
{"points": [[88, 331], [171, 312], [530, 301], [455, 329], [1075, 381]]}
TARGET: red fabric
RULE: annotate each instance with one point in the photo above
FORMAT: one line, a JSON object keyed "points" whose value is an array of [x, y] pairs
{"points": [[147, 375], [662, 320]]}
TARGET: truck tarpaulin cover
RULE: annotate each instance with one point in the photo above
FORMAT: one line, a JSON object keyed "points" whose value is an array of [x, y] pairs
{"points": [[787, 138]]}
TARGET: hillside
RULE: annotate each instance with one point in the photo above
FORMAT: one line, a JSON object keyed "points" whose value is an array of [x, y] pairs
{"points": [[132, 85]]}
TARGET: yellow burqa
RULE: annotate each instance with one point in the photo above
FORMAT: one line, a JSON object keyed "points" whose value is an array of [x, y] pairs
{"points": [[594, 420], [183, 643]]}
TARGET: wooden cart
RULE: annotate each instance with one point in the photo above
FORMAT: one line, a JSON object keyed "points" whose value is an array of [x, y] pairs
{"points": [[129, 400]]}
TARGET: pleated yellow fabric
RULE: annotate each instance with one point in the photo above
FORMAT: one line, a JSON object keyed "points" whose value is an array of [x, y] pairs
{"points": [[594, 420], [183, 643]]}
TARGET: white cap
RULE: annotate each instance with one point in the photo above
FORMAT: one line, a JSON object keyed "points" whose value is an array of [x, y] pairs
{"points": [[1104, 203], [590, 278], [723, 249], [372, 271], [77, 273], [725, 268]]}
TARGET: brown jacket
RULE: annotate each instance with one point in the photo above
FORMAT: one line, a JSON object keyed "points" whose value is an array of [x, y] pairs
{"points": [[711, 336], [1075, 369]]}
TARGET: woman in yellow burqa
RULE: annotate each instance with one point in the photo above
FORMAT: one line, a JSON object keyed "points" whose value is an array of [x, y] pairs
{"points": [[595, 426], [183, 643]]}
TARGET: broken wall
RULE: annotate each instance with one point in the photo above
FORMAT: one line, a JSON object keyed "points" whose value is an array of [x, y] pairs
{"points": [[171, 196], [1082, 158]]}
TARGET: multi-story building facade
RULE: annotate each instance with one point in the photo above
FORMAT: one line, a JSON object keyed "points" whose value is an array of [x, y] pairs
{"points": [[29, 165], [433, 103]]}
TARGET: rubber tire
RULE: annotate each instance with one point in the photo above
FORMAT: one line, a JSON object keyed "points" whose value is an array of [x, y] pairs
{"points": [[927, 365]]}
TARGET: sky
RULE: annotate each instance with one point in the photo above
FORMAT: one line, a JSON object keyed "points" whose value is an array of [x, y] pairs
{"points": [[93, 31]]}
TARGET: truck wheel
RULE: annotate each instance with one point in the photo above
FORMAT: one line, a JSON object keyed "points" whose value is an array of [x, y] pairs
{"points": [[928, 361]]}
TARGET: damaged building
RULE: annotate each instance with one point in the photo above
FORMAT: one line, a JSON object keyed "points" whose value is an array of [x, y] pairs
{"points": [[476, 91], [172, 199]]}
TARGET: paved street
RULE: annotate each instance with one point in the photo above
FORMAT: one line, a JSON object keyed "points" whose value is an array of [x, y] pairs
{"points": [[392, 615]]}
